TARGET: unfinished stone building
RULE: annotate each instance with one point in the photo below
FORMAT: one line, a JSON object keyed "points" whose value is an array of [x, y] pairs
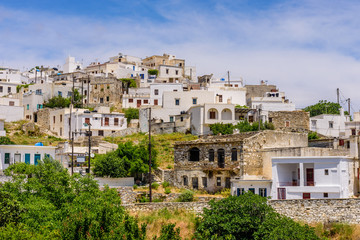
{"points": [[210, 163], [105, 92], [290, 120]]}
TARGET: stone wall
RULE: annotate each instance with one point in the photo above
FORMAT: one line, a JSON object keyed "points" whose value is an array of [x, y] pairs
{"points": [[43, 117], [297, 120], [320, 210], [124, 132], [196, 207]]}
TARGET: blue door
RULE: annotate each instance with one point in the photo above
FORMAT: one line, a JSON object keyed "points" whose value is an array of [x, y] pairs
{"points": [[27, 158], [36, 159]]}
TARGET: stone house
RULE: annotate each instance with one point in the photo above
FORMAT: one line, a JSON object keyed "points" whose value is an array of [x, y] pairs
{"points": [[290, 120], [105, 91]]}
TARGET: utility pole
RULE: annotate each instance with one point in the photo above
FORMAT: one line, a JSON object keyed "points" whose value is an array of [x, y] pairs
{"points": [[338, 95], [82, 92], [229, 78], [259, 117], [88, 90], [190, 74], [72, 153], [89, 135], [348, 105], [150, 193]]}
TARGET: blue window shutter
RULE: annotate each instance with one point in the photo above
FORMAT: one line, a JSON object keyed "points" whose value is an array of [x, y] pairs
{"points": [[238, 192], [265, 194]]}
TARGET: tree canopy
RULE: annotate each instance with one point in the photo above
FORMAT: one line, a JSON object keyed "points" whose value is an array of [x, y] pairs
{"points": [[131, 113], [61, 102], [324, 107], [6, 141], [127, 160], [248, 217], [242, 126], [45, 202]]}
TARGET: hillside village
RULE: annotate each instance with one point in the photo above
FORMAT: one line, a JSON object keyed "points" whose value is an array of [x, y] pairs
{"points": [[163, 91]]}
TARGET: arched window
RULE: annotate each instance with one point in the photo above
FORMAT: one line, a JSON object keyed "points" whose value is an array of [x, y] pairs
{"points": [[213, 113], [234, 154], [211, 155], [226, 114], [194, 154], [221, 158]]}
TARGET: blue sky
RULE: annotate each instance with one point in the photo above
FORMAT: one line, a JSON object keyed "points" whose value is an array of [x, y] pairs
{"points": [[307, 48]]}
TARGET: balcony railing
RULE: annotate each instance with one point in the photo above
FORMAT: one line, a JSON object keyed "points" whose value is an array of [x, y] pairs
{"points": [[295, 183]]}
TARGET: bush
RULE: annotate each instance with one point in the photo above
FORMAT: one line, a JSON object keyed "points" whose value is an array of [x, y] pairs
{"points": [[135, 186], [167, 190], [6, 141], [153, 72], [222, 128], [155, 185], [312, 136], [186, 196], [169, 232], [131, 113], [165, 184]]}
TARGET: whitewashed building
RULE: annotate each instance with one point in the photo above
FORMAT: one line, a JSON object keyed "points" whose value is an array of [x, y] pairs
{"points": [[157, 91], [312, 177], [2, 128], [10, 154], [71, 65], [331, 125], [11, 109], [352, 128], [136, 97]]}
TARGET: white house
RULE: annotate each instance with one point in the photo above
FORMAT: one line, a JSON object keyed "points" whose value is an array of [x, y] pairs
{"points": [[331, 125], [7, 88], [157, 91], [312, 177], [10, 75], [136, 98], [71, 65], [261, 187], [11, 109], [103, 122], [353, 127], [10, 154]]}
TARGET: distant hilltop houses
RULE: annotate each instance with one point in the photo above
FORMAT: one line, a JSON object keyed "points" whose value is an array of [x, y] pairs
{"points": [[267, 149]]}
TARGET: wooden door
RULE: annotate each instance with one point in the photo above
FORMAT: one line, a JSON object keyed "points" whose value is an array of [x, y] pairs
{"points": [[281, 193], [37, 159], [27, 158], [309, 177], [138, 103], [306, 195]]}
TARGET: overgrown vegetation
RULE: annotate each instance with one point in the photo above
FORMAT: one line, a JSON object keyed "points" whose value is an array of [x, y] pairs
{"points": [[242, 126], [18, 87], [61, 102], [131, 113], [128, 83], [164, 144], [45, 202], [324, 107], [313, 136], [248, 217], [128, 160], [6, 141], [153, 72], [186, 196]]}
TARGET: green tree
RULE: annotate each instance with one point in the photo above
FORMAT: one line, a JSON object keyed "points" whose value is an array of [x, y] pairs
{"points": [[324, 107], [131, 113], [6, 141], [61, 102], [248, 217], [169, 232], [312, 136], [222, 128], [153, 72], [245, 126], [128, 83]]}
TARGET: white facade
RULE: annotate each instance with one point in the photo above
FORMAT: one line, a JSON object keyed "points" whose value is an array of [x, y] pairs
{"points": [[7, 88], [190, 73], [71, 65], [353, 127], [157, 91], [312, 177], [2, 127], [171, 74], [202, 116], [136, 98], [256, 186], [229, 95], [10, 154], [11, 113], [330, 125], [103, 123], [10, 75]]}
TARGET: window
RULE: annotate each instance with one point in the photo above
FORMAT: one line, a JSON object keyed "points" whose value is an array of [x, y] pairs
{"points": [[7, 158], [146, 101], [287, 123], [326, 195], [116, 121], [227, 182], [95, 86], [211, 155], [38, 92], [331, 124], [194, 154], [176, 72], [11, 103], [156, 91], [221, 158], [54, 118], [106, 121], [177, 102], [240, 191], [220, 98], [270, 120], [107, 98], [212, 114], [9, 89], [59, 93], [252, 190], [87, 121], [262, 192], [218, 181], [85, 92], [60, 117], [234, 154], [101, 100], [326, 171], [313, 123], [204, 182], [185, 180], [195, 183], [27, 107], [353, 131], [180, 64], [306, 196], [131, 100], [194, 101], [101, 133], [181, 119], [1, 89], [167, 71], [155, 102], [171, 118]]}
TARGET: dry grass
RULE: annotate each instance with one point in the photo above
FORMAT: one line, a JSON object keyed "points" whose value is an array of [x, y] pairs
{"points": [[14, 132], [164, 143], [337, 231], [155, 220]]}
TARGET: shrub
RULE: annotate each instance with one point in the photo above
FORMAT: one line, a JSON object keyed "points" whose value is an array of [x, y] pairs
{"points": [[135, 186], [222, 128], [155, 185], [6, 141], [167, 190], [131, 113], [165, 184], [169, 232], [153, 72], [186, 196], [312, 136]]}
